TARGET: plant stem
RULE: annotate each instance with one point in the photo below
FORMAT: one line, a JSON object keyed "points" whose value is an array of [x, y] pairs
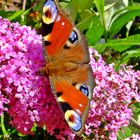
{"points": [[3, 126]]}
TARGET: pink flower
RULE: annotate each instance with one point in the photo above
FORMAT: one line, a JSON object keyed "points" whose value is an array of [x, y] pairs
{"points": [[31, 101], [134, 137], [3, 101], [112, 95]]}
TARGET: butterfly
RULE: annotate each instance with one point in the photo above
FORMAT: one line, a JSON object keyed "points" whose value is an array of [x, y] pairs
{"points": [[66, 53]]}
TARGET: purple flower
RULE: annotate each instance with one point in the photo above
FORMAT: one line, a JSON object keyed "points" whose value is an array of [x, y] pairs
{"points": [[114, 91], [31, 101], [134, 137]]}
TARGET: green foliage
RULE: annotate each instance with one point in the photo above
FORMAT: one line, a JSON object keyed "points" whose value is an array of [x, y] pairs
{"points": [[93, 28], [122, 17], [15, 15], [111, 33], [124, 133]]}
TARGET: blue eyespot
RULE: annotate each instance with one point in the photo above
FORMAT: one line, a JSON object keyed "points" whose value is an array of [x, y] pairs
{"points": [[73, 119], [84, 90], [73, 37]]}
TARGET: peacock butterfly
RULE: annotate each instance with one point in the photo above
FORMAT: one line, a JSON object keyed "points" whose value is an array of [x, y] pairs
{"points": [[66, 53]]}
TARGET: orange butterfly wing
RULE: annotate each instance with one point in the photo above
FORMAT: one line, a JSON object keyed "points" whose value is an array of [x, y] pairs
{"points": [[60, 38], [67, 57], [73, 92], [57, 24]]}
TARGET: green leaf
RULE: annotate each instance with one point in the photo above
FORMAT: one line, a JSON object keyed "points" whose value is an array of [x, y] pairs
{"points": [[24, 14], [120, 45], [122, 17], [81, 4], [124, 133], [127, 56], [85, 23], [78, 6], [6, 14], [16, 14], [100, 7], [95, 31]]}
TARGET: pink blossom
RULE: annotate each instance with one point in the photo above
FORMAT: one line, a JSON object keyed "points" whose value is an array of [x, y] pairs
{"points": [[134, 137], [112, 95], [30, 97], [31, 101], [3, 101]]}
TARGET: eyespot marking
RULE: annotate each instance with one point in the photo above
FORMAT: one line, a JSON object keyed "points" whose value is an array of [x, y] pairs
{"points": [[58, 18], [73, 37], [50, 12], [78, 111], [84, 89], [73, 119]]}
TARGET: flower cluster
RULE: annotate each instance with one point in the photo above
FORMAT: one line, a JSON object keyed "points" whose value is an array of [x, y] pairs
{"points": [[31, 101], [112, 95], [134, 137], [28, 94]]}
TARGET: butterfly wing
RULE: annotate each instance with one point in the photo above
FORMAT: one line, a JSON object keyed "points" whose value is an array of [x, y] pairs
{"points": [[59, 35], [56, 29], [71, 81], [73, 92]]}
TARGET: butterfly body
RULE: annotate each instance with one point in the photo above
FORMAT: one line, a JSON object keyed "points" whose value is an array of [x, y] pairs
{"points": [[67, 58]]}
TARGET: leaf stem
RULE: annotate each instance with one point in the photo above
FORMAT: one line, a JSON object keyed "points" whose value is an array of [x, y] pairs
{"points": [[3, 126]]}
